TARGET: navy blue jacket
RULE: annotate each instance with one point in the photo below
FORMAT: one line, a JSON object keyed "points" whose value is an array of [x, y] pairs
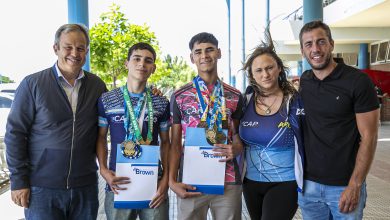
{"points": [[46, 144]]}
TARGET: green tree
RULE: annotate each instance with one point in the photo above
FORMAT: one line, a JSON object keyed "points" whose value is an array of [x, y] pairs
{"points": [[5, 79], [110, 40], [172, 73]]}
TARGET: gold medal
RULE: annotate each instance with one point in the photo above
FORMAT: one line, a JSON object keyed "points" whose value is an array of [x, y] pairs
{"points": [[210, 136], [131, 150], [220, 138], [128, 148]]}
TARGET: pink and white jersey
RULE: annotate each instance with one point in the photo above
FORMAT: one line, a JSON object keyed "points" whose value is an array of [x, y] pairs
{"points": [[185, 111]]}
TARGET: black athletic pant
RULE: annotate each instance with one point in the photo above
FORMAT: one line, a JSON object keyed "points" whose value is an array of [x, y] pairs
{"points": [[270, 200]]}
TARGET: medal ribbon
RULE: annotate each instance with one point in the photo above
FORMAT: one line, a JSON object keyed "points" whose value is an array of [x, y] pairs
{"points": [[203, 106], [218, 113], [132, 116], [213, 108]]}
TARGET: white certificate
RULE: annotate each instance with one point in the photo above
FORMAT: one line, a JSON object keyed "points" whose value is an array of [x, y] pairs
{"points": [[200, 167], [143, 174]]}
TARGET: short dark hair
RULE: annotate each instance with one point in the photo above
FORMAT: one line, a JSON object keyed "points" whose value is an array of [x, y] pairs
{"points": [[203, 37], [141, 46], [314, 25]]}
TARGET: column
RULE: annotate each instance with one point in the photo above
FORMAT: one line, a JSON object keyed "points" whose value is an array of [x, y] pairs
{"points": [[78, 14], [363, 56], [312, 10]]}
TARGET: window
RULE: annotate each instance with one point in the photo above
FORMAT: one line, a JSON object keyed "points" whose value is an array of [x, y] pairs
{"points": [[373, 53], [382, 52]]}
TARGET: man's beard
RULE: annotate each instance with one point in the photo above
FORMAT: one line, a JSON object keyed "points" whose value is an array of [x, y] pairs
{"points": [[321, 66]]}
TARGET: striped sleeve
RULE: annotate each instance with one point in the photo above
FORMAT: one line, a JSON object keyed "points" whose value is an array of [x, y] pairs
{"points": [[103, 122]]}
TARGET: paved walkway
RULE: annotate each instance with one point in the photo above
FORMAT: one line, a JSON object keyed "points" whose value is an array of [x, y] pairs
{"points": [[378, 187], [378, 180]]}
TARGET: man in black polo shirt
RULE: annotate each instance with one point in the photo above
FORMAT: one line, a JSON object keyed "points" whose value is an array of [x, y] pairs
{"points": [[340, 130]]}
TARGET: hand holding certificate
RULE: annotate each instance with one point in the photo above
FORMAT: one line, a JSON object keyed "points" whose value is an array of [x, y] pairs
{"points": [[202, 169], [143, 173]]}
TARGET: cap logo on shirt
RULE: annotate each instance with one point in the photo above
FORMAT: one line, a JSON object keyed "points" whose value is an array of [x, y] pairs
{"points": [[253, 124]]}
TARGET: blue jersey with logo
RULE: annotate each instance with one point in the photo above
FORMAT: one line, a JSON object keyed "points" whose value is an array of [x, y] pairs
{"points": [[111, 114], [269, 145]]}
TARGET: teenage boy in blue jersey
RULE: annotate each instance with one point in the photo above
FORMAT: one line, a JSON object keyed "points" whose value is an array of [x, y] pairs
{"points": [[114, 113]]}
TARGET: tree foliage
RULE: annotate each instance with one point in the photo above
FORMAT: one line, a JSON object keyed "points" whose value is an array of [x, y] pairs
{"points": [[114, 35], [172, 74], [110, 40], [5, 79]]}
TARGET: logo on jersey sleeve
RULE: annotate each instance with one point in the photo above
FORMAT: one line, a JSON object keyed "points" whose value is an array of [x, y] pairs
{"points": [[300, 111]]}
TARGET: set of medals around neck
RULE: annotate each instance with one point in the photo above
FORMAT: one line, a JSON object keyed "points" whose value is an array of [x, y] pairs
{"points": [[132, 149], [212, 128]]}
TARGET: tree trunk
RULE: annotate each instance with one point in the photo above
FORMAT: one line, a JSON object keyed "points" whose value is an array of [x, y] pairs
{"points": [[114, 81]]}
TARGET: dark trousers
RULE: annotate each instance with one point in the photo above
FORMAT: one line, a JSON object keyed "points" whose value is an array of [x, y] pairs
{"points": [[63, 204], [271, 200]]}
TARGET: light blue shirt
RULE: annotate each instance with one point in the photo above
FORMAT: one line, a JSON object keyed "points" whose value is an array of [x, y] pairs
{"points": [[72, 91]]}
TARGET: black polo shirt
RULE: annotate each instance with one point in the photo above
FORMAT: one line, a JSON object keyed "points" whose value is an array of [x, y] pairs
{"points": [[331, 135]]}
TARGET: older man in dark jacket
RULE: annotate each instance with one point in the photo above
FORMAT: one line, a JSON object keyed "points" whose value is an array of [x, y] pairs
{"points": [[51, 135]]}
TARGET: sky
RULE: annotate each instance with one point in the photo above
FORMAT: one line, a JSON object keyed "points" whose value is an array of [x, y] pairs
{"points": [[28, 28]]}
